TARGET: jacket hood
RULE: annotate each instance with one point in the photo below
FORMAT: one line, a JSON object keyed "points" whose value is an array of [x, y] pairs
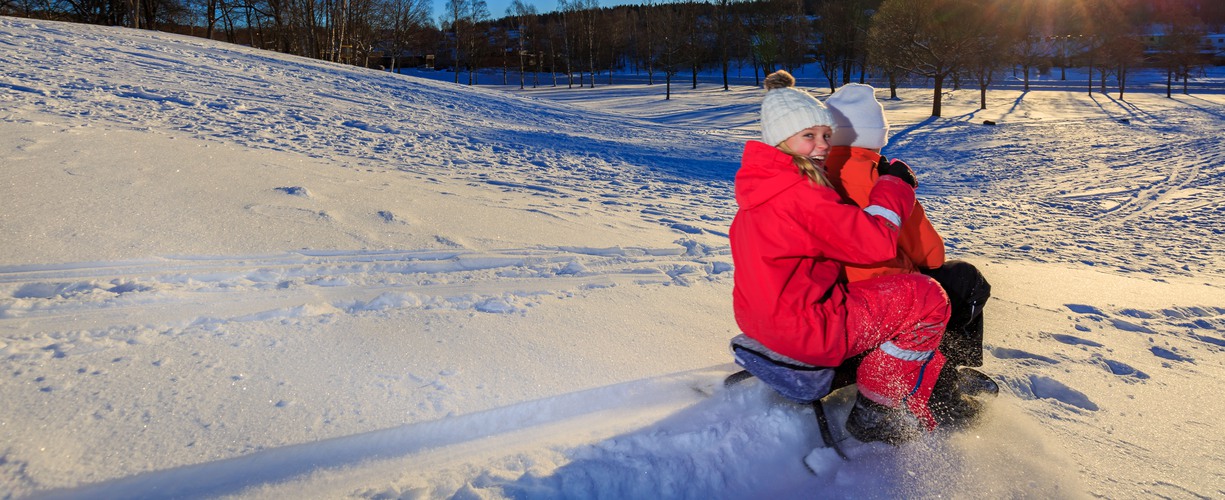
{"points": [[765, 171]]}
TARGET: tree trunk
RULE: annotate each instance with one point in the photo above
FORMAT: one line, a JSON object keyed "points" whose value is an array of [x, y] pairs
{"points": [[939, 93], [591, 47], [756, 79], [1089, 77], [726, 68]]}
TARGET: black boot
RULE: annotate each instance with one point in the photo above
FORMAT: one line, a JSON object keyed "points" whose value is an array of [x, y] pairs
{"points": [[871, 421], [952, 408], [972, 382]]}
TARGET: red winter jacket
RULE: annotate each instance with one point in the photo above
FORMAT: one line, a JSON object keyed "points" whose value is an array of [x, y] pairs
{"points": [[789, 240], [852, 171]]}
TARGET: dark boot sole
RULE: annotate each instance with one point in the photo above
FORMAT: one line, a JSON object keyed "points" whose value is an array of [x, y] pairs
{"points": [[972, 382]]}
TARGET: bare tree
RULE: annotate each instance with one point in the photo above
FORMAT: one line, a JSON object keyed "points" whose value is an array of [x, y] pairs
{"points": [[773, 26], [456, 21], [688, 37], [1179, 49], [796, 34], [476, 40], [666, 50], [569, 13], [650, 41], [521, 15], [833, 39], [889, 61], [405, 23], [1028, 45], [556, 39], [1116, 26], [995, 36], [930, 37], [616, 29], [723, 23], [587, 10], [842, 28]]}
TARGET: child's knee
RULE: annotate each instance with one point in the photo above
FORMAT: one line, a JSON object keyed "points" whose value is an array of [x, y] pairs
{"points": [[930, 299], [931, 307]]}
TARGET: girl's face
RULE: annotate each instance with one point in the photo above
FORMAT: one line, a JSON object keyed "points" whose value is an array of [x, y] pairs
{"points": [[812, 142]]}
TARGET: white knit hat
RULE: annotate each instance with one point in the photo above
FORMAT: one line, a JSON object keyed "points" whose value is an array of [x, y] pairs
{"points": [[860, 117], [787, 110]]}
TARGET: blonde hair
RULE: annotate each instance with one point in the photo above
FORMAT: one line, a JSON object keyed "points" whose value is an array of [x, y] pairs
{"points": [[809, 168]]}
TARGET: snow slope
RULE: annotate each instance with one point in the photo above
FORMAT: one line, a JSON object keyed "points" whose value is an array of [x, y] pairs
{"points": [[228, 272]]}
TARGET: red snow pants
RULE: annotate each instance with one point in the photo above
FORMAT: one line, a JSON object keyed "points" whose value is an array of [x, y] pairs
{"points": [[901, 319]]}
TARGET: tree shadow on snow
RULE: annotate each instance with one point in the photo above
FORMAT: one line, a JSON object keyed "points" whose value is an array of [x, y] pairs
{"points": [[1126, 111], [1216, 110], [903, 134]]}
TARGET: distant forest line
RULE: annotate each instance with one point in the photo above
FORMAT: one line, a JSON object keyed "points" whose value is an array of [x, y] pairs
{"points": [[945, 42]]}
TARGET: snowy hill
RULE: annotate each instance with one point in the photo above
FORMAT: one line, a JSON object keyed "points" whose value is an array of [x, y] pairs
{"points": [[234, 272]]}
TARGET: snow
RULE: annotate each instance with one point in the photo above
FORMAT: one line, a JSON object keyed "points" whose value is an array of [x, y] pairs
{"points": [[228, 272]]}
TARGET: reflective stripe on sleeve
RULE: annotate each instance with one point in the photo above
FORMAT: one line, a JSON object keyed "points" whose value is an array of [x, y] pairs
{"points": [[887, 214], [904, 354]]}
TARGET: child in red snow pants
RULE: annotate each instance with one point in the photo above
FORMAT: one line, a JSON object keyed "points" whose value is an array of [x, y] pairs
{"points": [[902, 317]]}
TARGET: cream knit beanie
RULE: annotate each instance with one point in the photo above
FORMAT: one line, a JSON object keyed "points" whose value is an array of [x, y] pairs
{"points": [[860, 117], [787, 110]]}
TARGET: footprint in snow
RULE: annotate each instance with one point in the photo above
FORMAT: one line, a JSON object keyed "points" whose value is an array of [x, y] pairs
{"points": [[1017, 354], [294, 190], [1169, 354], [1084, 309], [1041, 387], [1074, 340], [1125, 371]]}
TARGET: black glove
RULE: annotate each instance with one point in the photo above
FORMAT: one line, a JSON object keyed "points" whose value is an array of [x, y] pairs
{"points": [[897, 168]]}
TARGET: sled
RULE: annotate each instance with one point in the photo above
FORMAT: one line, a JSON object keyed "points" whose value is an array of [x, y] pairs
{"points": [[794, 380], [811, 385]]}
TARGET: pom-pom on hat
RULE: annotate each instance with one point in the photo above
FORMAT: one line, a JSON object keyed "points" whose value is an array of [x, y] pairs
{"points": [[860, 117], [787, 110]]}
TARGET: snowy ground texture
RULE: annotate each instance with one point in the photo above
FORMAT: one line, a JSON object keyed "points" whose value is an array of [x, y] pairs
{"points": [[232, 273]]}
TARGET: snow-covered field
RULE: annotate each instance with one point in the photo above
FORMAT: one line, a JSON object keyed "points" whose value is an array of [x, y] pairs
{"points": [[227, 272]]}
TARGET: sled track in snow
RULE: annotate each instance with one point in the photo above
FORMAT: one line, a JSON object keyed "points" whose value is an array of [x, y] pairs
{"points": [[353, 460]]}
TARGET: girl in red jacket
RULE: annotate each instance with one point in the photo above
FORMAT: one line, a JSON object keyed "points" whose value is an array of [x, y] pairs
{"points": [[790, 240]]}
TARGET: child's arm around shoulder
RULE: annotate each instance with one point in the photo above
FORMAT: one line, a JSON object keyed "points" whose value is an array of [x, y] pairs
{"points": [[920, 241], [847, 233]]}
